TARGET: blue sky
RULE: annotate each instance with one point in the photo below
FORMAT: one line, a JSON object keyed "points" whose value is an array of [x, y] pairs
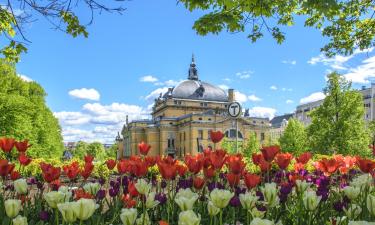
{"points": [[93, 83]]}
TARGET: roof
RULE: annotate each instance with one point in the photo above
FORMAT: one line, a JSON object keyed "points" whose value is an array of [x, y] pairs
{"points": [[277, 120]]}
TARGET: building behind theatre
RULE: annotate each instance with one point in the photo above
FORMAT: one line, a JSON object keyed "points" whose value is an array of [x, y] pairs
{"points": [[182, 119], [302, 111]]}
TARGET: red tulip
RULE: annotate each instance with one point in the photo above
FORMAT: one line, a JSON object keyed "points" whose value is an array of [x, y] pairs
{"points": [[283, 160], [143, 148], [298, 167], [23, 159], [5, 167], [366, 165], [150, 160], [22, 146], [216, 136], [235, 164], [270, 152], [49, 172], [328, 166], [233, 179], [128, 201], [181, 170], [89, 158], [167, 171], [209, 172], [138, 167], [251, 180], [110, 164], [7, 144], [123, 166], [198, 183], [304, 158], [15, 175], [72, 170], [194, 164], [80, 193], [132, 190], [162, 222], [218, 158], [87, 170], [259, 160]]}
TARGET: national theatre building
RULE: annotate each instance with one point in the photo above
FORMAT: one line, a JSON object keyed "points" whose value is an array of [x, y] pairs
{"points": [[182, 119]]}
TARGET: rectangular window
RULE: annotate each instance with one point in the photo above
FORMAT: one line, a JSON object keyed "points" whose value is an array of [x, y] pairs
{"points": [[262, 137], [200, 134]]}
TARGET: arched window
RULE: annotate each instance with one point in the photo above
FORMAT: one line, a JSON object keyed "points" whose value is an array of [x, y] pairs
{"points": [[232, 134]]}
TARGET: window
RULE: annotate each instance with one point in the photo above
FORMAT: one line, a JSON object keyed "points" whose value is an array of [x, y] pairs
{"points": [[262, 138], [232, 134], [200, 118], [200, 134], [184, 136], [204, 104], [254, 121]]}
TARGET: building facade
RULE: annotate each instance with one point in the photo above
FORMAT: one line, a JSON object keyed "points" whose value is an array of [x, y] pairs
{"points": [[182, 119], [278, 125], [302, 111]]}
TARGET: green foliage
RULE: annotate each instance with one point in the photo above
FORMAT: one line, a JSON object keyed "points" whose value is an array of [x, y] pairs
{"points": [[230, 145], [337, 125], [252, 145], [72, 24], [95, 149], [25, 115], [347, 24], [294, 138]]}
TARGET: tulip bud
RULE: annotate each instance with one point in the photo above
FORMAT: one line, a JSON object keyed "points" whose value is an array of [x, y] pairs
{"points": [[258, 221], [150, 200], [128, 216], [66, 193], [311, 200], [352, 192], [12, 207], [84, 208], [371, 204], [270, 194], [188, 218], [248, 200], [92, 188], [20, 186], [353, 211], [53, 198], [67, 211], [20, 220], [185, 199], [221, 198], [142, 186], [212, 209], [301, 186]]}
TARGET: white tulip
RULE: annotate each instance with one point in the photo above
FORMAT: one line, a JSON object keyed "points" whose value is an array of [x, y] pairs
{"points": [[20, 220], [12, 207], [185, 199], [142, 186], [360, 223], [20, 186], [212, 209], [311, 200], [248, 200], [352, 192], [188, 218], [128, 216], [370, 202], [221, 198], [150, 200], [353, 211], [301, 186], [270, 193], [84, 208], [92, 188], [143, 219], [67, 211], [258, 221], [53, 198], [362, 181]]}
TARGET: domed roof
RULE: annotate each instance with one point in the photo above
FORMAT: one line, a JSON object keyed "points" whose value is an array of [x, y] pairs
{"points": [[195, 89], [198, 90]]}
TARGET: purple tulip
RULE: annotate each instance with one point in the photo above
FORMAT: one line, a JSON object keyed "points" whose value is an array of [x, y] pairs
{"points": [[161, 197], [44, 215], [235, 201], [113, 192], [100, 194]]}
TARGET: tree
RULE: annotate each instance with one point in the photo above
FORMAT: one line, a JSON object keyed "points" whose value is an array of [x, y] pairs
{"points": [[95, 149], [294, 137], [252, 145], [347, 24], [337, 125], [25, 115], [61, 14], [80, 149]]}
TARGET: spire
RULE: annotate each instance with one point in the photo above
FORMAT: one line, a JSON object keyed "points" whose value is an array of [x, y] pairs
{"points": [[193, 72]]}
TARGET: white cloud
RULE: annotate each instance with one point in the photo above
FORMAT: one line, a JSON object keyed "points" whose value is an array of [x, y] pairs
{"points": [[25, 78], [171, 83], [254, 98], [263, 112], [227, 79], [273, 87], [149, 79], [289, 101], [84, 93], [223, 86], [156, 93], [312, 98], [244, 74], [72, 118], [291, 62], [240, 97], [363, 72]]}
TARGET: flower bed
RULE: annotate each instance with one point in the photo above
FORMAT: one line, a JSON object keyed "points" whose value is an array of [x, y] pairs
{"points": [[213, 188]]}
